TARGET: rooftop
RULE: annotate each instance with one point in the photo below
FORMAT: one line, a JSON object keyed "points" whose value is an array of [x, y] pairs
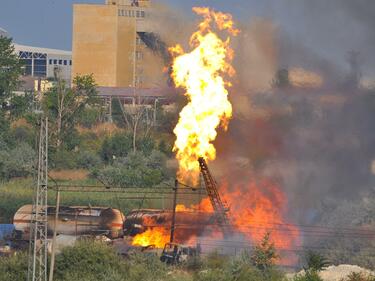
{"points": [[19, 47]]}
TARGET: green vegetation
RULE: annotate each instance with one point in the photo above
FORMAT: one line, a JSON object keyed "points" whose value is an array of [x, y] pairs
{"points": [[14, 268], [10, 70], [93, 261], [264, 255]]}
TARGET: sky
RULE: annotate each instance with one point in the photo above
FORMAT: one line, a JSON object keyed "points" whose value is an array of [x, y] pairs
{"points": [[330, 28], [48, 23]]}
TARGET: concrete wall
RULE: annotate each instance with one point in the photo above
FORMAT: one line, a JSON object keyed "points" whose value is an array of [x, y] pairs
{"points": [[95, 42]]}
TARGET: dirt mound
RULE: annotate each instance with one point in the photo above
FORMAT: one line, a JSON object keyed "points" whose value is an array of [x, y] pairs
{"points": [[337, 273]]}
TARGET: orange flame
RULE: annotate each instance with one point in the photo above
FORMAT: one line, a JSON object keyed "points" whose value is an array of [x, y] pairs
{"points": [[261, 209], [157, 236], [201, 73]]}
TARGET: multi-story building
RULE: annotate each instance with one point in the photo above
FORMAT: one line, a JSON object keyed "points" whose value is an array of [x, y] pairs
{"points": [[107, 42]]}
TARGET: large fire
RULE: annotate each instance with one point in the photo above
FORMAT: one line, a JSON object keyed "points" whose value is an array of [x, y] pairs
{"points": [[256, 208], [201, 73]]}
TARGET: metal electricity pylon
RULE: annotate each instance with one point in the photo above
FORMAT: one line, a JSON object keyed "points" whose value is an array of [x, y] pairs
{"points": [[37, 266]]}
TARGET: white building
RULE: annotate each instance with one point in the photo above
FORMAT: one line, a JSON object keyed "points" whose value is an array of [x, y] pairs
{"points": [[43, 62]]}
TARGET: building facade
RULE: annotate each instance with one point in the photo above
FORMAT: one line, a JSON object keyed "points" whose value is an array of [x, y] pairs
{"points": [[108, 44], [43, 62]]}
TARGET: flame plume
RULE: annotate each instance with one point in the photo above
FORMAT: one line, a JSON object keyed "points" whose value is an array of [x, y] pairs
{"points": [[201, 73]]}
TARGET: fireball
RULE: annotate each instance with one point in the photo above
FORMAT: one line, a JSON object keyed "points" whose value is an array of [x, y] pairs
{"points": [[202, 74]]}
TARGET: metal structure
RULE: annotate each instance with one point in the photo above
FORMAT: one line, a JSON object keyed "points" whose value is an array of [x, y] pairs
{"points": [[218, 205], [37, 266], [174, 211]]}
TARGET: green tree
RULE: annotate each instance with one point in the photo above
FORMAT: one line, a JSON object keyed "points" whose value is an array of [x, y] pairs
{"points": [[64, 104], [264, 254], [315, 262], [10, 69]]}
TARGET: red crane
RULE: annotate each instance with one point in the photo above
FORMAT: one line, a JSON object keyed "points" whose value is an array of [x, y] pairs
{"points": [[218, 205]]}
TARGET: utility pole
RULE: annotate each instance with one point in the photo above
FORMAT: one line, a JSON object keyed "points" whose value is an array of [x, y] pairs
{"points": [[174, 211], [52, 265], [37, 264]]}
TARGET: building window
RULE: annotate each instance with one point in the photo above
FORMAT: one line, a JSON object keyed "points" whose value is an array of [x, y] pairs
{"points": [[60, 62], [65, 62], [70, 62], [138, 14], [143, 14], [54, 61], [40, 67], [50, 61], [27, 63]]}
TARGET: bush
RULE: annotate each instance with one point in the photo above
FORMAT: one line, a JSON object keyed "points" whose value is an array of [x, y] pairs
{"points": [[135, 170], [17, 162], [23, 134], [63, 159], [146, 145], [115, 147], [242, 268], [88, 160], [89, 260], [308, 276], [89, 117], [13, 268], [359, 276]]}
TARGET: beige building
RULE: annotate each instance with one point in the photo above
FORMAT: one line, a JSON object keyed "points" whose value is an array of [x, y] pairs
{"points": [[107, 42]]}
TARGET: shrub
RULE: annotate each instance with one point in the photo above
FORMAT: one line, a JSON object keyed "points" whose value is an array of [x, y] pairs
{"points": [[13, 268], [135, 170], [63, 159], [89, 260], [115, 147], [23, 134], [88, 160], [359, 276], [146, 267], [17, 162], [241, 268], [89, 117], [215, 260], [308, 276], [315, 261], [146, 145]]}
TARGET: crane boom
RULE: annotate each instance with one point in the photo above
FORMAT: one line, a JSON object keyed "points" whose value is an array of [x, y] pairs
{"points": [[218, 205]]}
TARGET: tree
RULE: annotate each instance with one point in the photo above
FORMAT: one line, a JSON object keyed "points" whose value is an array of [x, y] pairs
{"points": [[315, 262], [264, 254], [64, 105], [10, 69], [136, 116]]}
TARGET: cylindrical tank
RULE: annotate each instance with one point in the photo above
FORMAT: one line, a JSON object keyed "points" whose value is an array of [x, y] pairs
{"points": [[188, 223], [74, 221]]}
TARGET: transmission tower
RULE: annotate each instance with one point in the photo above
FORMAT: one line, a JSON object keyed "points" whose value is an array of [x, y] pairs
{"points": [[37, 267]]}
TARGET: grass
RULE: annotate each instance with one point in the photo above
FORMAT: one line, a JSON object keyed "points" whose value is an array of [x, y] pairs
{"points": [[18, 192]]}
